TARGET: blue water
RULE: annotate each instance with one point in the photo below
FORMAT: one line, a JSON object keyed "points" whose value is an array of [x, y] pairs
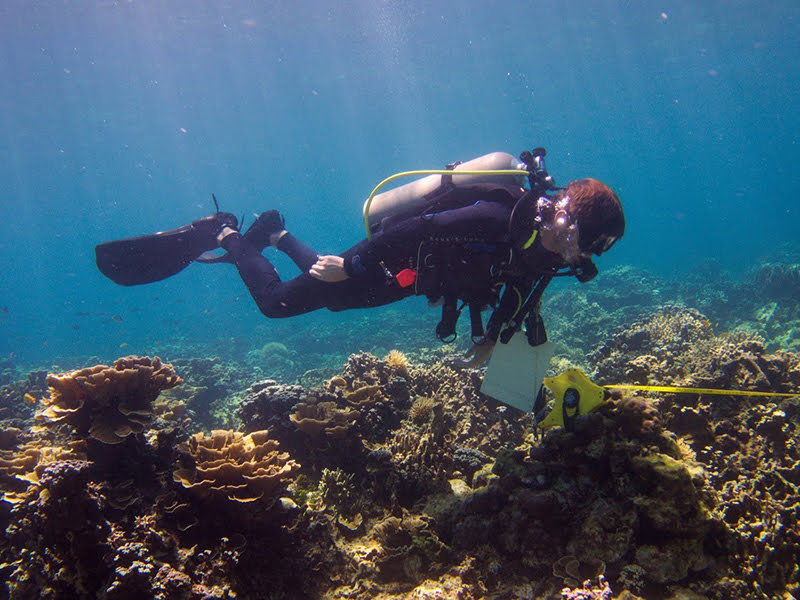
{"points": [[121, 118]]}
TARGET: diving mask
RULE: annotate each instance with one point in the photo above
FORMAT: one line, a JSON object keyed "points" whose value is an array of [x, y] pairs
{"points": [[559, 233]]}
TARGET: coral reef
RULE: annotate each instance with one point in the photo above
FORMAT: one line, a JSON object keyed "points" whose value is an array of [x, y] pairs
{"points": [[274, 359], [210, 384], [22, 468], [589, 591], [745, 446], [18, 398], [399, 479]]}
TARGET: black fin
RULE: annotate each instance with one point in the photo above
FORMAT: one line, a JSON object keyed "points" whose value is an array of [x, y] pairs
{"points": [[149, 258]]}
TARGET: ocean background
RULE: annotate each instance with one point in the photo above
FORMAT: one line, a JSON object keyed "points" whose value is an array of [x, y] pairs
{"points": [[122, 118]]}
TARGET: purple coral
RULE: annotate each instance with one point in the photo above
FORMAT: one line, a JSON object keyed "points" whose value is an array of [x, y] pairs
{"points": [[592, 590]]}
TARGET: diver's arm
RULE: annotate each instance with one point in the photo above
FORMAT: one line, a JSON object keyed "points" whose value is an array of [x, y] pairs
{"points": [[329, 268], [510, 304], [477, 355]]}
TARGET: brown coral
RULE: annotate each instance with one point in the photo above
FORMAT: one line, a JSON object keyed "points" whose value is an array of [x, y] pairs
{"points": [[397, 362], [421, 409], [237, 467], [108, 403], [364, 396], [314, 418], [21, 470], [574, 571]]}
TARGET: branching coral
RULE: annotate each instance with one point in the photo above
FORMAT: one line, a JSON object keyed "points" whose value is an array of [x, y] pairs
{"points": [[108, 403], [337, 491], [59, 536], [18, 398], [236, 467], [647, 351], [422, 409]]}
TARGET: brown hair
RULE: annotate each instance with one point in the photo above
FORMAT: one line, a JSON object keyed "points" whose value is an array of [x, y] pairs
{"points": [[596, 209]]}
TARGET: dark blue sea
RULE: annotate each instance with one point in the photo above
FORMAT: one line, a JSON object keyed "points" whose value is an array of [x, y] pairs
{"points": [[121, 118]]}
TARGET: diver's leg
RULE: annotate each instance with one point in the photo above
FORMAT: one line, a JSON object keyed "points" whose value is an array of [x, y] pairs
{"points": [[301, 255], [269, 229], [274, 298]]}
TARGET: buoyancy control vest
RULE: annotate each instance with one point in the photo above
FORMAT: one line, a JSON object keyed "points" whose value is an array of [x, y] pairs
{"points": [[439, 277], [461, 267]]}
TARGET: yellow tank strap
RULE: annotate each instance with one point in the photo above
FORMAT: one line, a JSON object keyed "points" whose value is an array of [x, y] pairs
{"points": [[368, 203]]}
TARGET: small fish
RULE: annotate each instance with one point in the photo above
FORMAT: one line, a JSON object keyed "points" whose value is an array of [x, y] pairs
{"points": [[116, 318], [30, 398], [75, 326], [83, 313], [123, 345], [4, 310]]}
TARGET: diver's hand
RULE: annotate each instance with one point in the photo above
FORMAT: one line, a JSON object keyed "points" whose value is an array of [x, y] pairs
{"points": [[328, 268], [476, 356]]}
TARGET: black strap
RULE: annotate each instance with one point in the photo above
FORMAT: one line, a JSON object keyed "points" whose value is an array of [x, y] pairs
{"points": [[447, 178], [446, 329], [530, 305], [476, 323]]}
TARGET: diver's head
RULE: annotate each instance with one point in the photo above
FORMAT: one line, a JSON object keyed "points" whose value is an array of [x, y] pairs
{"points": [[583, 219], [598, 213]]}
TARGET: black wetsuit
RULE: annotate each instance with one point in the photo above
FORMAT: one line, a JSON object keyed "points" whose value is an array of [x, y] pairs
{"points": [[457, 254]]}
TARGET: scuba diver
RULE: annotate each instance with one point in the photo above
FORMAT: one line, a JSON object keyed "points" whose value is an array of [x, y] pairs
{"points": [[480, 241]]}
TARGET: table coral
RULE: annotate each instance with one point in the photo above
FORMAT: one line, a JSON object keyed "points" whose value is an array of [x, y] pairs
{"points": [[315, 418], [239, 468], [21, 469], [108, 403]]}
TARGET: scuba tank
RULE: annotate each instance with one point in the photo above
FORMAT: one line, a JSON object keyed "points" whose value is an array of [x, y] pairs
{"points": [[414, 196]]}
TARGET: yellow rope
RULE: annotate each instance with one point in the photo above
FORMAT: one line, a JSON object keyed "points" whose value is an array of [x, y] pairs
{"points": [[693, 390]]}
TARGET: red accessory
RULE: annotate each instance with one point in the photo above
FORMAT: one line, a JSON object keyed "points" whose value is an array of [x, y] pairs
{"points": [[406, 277]]}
